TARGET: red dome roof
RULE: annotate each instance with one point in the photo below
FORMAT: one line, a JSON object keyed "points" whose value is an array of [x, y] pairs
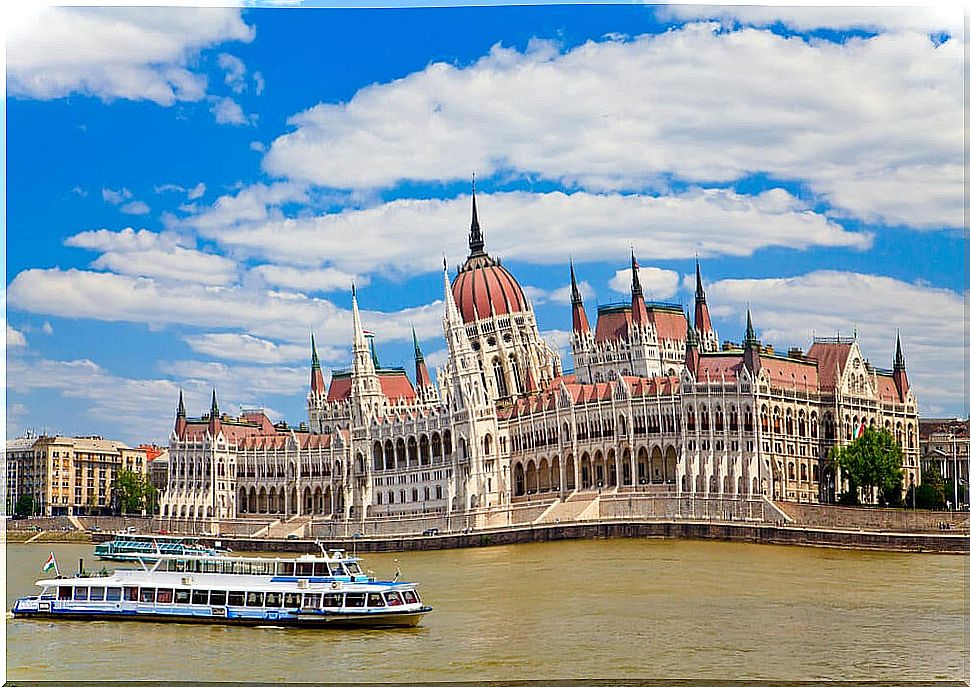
{"points": [[484, 285]]}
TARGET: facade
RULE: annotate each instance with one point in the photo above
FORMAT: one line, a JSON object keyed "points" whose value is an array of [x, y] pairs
{"points": [[655, 405], [16, 452], [70, 475], [945, 445]]}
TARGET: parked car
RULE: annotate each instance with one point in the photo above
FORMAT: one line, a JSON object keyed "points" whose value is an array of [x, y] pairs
{"points": [[430, 532], [292, 535]]}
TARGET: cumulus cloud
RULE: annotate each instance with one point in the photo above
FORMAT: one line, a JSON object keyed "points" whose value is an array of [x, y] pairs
{"points": [[656, 283], [15, 339], [141, 53], [269, 314], [115, 197], [235, 71], [560, 296], [697, 104], [144, 253], [228, 111], [196, 191], [248, 348], [543, 228], [896, 19], [558, 339], [787, 311], [307, 280], [136, 207]]}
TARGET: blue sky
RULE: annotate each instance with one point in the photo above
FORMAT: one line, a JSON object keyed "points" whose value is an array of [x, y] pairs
{"points": [[190, 192]]}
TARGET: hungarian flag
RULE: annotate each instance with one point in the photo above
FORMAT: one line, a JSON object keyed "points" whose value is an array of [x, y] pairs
{"points": [[859, 430], [51, 564]]}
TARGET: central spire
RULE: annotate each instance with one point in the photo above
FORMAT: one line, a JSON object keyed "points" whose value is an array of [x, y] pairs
{"points": [[637, 289], [476, 241]]}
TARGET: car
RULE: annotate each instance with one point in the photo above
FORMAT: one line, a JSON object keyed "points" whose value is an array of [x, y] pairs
{"points": [[430, 532], [131, 530], [292, 535], [356, 535]]}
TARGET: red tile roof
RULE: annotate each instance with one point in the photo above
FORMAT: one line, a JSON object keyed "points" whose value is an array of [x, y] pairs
{"points": [[831, 359], [613, 325], [671, 325]]}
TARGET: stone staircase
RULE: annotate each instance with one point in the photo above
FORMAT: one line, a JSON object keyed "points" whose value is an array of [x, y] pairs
{"points": [[280, 529], [578, 506], [77, 523]]}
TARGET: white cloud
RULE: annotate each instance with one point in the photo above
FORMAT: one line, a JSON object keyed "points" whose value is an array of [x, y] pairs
{"points": [[136, 207], [558, 339], [115, 197], [851, 119], [196, 191], [139, 53], [274, 315], [257, 146], [436, 359], [560, 296], [307, 280], [77, 190], [923, 19], [248, 348], [930, 320], [228, 111], [146, 254], [408, 236], [656, 283], [259, 82], [47, 328], [243, 383], [15, 339], [235, 71]]}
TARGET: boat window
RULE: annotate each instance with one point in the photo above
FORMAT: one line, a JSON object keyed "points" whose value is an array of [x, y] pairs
{"points": [[304, 569], [200, 597], [274, 600], [320, 570], [181, 596], [131, 593], [311, 601], [180, 566], [217, 597], [393, 599], [284, 568], [148, 595], [210, 566], [63, 592], [291, 600], [337, 569], [265, 567], [353, 568], [48, 592], [114, 594], [170, 566], [374, 599], [354, 601], [80, 593], [97, 594], [164, 596], [237, 598], [333, 600], [410, 597], [254, 599]]}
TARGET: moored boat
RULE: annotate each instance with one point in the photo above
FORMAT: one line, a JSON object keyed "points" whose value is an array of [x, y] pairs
{"points": [[327, 590]]}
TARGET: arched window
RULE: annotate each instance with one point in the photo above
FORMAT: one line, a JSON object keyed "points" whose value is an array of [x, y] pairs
{"points": [[499, 378], [516, 379]]}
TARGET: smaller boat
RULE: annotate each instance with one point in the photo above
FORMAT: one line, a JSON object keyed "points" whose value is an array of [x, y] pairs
{"points": [[132, 547]]}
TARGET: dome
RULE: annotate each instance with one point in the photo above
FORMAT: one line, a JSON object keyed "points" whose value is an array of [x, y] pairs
{"points": [[483, 285]]}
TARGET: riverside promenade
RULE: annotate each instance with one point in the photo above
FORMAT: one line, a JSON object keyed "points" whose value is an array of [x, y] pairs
{"points": [[612, 516]]}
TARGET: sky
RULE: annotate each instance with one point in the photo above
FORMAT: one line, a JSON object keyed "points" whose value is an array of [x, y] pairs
{"points": [[192, 191]]}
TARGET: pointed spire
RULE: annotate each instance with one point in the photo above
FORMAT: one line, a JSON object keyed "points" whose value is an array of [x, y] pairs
{"points": [[752, 349], [451, 308], [417, 349], [314, 359], [699, 295], [636, 289], [899, 371], [316, 374], [899, 363], [181, 409], [577, 297], [580, 323], [639, 307], [359, 340], [214, 411], [476, 241], [180, 421], [421, 377], [749, 331]]}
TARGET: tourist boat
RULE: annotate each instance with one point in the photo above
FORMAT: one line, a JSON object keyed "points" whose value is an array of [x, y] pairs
{"points": [[326, 590], [128, 547]]}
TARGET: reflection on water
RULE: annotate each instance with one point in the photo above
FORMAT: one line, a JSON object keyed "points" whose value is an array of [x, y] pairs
{"points": [[619, 608]]}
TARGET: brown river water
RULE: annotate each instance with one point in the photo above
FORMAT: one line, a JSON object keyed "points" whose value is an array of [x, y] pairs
{"points": [[598, 608]]}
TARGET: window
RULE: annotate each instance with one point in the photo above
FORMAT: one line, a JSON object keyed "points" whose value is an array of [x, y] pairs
{"points": [[181, 596], [97, 594], [236, 598], [164, 596], [311, 601], [291, 600], [148, 595], [320, 570], [64, 593], [410, 597], [354, 601], [284, 568], [254, 599], [333, 600], [131, 593], [114, 594], [80, 593], [274, 600], [200, 597], [393, 599], [304, 569]]}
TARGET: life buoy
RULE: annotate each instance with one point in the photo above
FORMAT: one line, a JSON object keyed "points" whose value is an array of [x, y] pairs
{"points": [[335, 585]]}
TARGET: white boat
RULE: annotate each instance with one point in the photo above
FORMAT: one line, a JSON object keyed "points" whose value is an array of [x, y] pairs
{"points": [[327, 590]]}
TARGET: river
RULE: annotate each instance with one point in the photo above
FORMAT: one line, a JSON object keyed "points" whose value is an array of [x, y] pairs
{"points": [[632, 608]]}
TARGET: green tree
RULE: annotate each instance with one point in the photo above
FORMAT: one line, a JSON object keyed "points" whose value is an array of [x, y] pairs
{"points": [[130, 489], [25, 505], [931, 492], [872, 461]]}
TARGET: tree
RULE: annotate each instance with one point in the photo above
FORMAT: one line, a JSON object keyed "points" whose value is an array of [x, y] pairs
{"points": [[873, 461], [25, 506], [130, 490], [931, 492]]}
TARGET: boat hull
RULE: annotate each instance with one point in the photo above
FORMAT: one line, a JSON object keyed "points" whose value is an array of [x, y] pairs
{"points": [[306, 620]]}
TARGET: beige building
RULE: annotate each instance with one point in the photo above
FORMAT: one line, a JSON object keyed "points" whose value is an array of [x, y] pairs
{"points": [[945, 445], [74, 475]]}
